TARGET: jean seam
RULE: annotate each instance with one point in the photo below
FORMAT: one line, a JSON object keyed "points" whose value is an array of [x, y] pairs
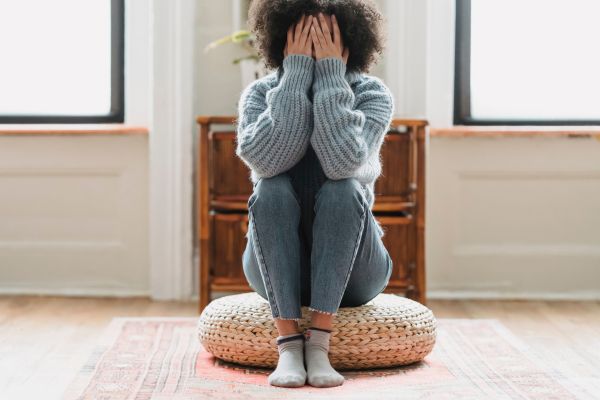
{"points": [[378, 228], [251, 199], [356, 246], [261, 261], [352, 261]]}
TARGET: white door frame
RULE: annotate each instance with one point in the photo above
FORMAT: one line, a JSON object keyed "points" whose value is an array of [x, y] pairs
{"points": [[171, 156]]}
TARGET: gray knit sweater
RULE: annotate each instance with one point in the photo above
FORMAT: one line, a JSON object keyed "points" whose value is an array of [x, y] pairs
{"points": [[343, 115]]}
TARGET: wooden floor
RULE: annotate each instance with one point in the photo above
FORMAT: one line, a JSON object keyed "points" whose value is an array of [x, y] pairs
{"points": [[45, 340]]}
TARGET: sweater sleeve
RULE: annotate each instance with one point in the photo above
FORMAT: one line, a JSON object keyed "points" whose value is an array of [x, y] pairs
{"points": [[348, 127], [274, 123]]}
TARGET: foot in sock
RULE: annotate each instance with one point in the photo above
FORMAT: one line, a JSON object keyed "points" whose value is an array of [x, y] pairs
{"points": [[316, 355], [290, 371]]}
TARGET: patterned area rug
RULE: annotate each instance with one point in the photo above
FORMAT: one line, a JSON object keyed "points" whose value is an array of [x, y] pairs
{"points": [[161, 358]]}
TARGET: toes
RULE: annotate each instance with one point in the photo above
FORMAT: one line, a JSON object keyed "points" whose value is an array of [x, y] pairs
{"points": [[287, 380], [325, 381]]}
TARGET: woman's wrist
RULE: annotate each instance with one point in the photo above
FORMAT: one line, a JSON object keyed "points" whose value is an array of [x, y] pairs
{"points": [[298, 72], [329, 72]]}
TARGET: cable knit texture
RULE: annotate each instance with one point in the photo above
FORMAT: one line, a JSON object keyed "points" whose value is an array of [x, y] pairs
{"points": [[306, 104]]}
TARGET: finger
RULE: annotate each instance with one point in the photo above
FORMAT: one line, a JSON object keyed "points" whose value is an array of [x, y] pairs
{"points": [[319, 32], [299, 26], [290, 36], [337, 36], [325, 28], [315, 37], [304, 37]]}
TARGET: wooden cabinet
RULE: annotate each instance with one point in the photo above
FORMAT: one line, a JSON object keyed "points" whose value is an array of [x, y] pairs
{"points": [[224, 188]]}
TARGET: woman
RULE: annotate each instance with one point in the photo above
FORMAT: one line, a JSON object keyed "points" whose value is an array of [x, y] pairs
{"points": [[311, 133]]}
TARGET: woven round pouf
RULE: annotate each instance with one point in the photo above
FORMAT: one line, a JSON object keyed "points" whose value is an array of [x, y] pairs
{"points": [[387, 331]]}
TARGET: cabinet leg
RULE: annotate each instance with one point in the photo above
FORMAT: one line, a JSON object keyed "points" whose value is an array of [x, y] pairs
{"points": [[204, 300]]}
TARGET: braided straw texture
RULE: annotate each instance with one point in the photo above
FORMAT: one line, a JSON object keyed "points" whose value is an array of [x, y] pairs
{"points": [[387, 331]]}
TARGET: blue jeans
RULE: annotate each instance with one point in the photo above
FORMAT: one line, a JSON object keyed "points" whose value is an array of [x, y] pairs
{"points": [[331, 255]]}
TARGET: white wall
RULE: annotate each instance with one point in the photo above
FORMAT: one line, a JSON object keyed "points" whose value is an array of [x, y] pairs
{"points": [[74, 214], [74, 208], [506, 217], [514, 218], [218, 85]]}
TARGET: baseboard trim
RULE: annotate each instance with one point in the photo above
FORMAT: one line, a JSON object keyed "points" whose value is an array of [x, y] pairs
{"points": [[433, 294], [73, 292], [492, 295]]}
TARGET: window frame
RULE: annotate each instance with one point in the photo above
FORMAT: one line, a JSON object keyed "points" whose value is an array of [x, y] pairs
{"points": [[117, 107], [462, 79]]}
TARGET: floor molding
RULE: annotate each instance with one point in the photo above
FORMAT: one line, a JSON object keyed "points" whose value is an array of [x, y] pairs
{"points": [[72, 292], [491, 295], [479, 295]]}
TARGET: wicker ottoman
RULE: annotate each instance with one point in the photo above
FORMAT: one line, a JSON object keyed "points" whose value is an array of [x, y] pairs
{"points": [[387, 331]]}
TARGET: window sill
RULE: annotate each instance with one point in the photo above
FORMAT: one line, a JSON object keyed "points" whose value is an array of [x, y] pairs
{"points": [[458, 131], [72, 129]]}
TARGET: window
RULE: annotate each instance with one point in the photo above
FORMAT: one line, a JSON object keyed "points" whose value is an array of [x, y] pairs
{"points": [[62, 61], [527, 62]]}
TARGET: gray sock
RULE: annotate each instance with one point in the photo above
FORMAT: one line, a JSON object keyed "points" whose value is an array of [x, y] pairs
{"points": [[290, 371], [316, 354]]}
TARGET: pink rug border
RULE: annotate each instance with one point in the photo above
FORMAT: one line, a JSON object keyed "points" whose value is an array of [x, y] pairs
{"points": [[111, 333]]}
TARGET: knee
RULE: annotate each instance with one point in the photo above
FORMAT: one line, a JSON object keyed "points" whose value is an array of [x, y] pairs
{"points": [[274, 194], [251, 270], [342, 194]]}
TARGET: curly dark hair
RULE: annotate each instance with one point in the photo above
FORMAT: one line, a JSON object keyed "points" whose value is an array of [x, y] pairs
{"points": [[360, 22]]}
